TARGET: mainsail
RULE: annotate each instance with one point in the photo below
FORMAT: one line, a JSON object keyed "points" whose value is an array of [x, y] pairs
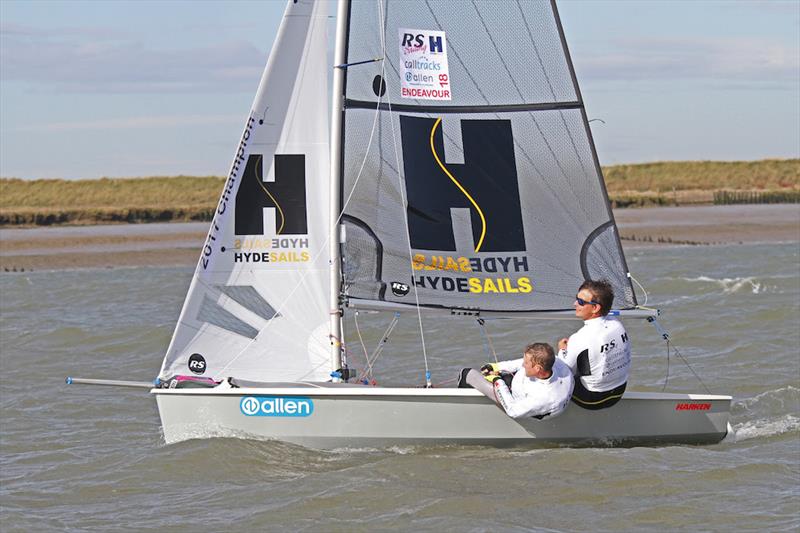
{"points": [[258, 303], [469, 171]]}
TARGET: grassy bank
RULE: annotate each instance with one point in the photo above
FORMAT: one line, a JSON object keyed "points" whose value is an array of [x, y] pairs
{"points": [[702, 182], [183, 198], [704, 175], [154, 199]]}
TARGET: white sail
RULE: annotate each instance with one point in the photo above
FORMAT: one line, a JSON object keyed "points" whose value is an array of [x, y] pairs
{"points": [[257, 306]]}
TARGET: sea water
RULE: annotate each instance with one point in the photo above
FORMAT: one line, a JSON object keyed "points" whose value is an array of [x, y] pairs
{"points": [[93, 458]]}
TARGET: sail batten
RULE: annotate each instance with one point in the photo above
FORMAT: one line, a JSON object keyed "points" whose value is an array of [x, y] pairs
{"points": [[385, 106]]}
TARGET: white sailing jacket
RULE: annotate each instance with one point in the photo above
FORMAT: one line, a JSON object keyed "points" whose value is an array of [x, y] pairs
{"points": [[534, 396], [599, 354]]}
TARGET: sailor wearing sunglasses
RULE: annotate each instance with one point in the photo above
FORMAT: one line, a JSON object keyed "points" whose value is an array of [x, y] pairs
{"points": [[599, 353]]}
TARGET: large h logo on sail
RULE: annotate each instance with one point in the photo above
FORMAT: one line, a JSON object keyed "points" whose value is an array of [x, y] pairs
{"points": [[486, 184], [287, 194]]}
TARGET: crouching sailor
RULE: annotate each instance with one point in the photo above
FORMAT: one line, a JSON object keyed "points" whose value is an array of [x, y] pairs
{"points": [[541, 385]]}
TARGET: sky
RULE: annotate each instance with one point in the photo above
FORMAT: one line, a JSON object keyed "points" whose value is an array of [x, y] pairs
{"points": [[118, 88]]}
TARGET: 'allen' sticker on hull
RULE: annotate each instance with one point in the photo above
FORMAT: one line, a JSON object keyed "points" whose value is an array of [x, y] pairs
{"points": [[276, 406]]}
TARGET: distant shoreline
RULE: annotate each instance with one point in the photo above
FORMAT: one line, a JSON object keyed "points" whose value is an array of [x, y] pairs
{"points": [[178, 244], [57, 202]]}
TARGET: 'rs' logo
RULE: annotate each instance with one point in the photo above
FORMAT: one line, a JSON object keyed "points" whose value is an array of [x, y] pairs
{"points": [[287, 195]]}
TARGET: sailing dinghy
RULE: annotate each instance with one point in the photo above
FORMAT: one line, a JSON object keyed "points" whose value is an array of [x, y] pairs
{"points": [[457, 176]]}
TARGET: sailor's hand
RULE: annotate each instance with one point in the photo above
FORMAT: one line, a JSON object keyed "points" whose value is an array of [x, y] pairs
{"points": [[497, 380], [562, 344], [487, 369]]}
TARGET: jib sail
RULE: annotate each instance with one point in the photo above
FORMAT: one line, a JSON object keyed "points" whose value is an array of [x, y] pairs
{"points": [[258, 306]]}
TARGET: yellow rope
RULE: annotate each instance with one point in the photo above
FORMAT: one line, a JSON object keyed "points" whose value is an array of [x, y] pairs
{"points": [[277, 205], [483, 219]]}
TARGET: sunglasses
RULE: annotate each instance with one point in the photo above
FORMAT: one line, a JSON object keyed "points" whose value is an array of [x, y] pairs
{"points": [[583, 302]]}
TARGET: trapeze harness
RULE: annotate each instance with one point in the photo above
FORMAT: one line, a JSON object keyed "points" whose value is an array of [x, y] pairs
{"points": [[599, 355]]}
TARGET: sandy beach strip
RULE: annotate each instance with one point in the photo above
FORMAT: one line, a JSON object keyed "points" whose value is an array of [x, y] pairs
{"points": [[704, 225], [109, 246], [178, 244]]}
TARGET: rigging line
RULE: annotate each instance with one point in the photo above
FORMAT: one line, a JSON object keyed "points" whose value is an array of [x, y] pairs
{"points": [[665, 335], [382, 343], [261, 184], [404, 202], [379, 347], [460, 187], [666, 378], [364, 62], [485, 333], [641, 287], [343, 207], [361, 341], [678, 353]]}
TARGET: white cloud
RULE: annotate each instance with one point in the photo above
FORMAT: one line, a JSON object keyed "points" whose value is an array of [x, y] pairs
{"points": [[161, 121], [755, 60], [96, 61]]}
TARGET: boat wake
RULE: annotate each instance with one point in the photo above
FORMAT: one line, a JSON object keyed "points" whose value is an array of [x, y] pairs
{"points": [[770, 413], [732, 285], [778, 400], [766, 428]]}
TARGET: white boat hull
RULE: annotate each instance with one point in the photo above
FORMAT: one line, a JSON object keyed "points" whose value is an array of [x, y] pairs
{"points": [[329, 416]]}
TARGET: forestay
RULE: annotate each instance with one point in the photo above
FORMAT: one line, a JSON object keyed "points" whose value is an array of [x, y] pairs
{"points": [[258, 304], [481, 143]]}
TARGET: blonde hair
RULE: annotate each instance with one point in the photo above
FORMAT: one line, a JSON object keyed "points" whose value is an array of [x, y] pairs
{"points": [[542, 354]]}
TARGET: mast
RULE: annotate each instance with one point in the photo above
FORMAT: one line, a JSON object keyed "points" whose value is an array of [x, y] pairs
{"points": [[337, 115]]}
